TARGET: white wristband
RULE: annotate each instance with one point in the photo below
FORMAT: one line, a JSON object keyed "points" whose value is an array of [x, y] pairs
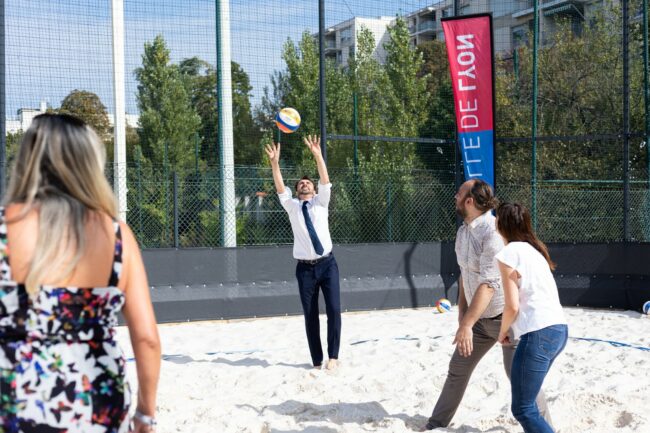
{"points": [[145, 419]]}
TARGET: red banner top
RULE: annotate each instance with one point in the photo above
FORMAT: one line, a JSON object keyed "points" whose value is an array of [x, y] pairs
{"points": [[469, 47]]}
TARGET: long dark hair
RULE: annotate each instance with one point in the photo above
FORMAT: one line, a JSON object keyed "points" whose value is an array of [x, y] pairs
{"points": [[515, 225]]}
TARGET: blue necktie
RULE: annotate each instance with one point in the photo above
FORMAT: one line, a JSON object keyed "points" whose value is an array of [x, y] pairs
{"points": [[318, 247]]}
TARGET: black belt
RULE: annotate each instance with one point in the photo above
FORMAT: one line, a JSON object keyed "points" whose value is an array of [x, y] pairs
{"points": [[498, 317], [313, 262]]}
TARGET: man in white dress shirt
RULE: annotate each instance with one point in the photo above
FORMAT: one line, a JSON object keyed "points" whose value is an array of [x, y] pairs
{"points": [[312, 248]]}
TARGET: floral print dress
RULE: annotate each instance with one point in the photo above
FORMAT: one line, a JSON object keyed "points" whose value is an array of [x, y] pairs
{"points": [[61, 370]]}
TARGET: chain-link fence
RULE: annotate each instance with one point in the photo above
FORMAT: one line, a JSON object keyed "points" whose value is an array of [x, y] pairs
{"points": [[415, 206], [571, 111]]}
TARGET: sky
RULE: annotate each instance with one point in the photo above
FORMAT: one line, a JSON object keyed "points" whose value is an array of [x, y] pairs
{"points": [[56, 46]]}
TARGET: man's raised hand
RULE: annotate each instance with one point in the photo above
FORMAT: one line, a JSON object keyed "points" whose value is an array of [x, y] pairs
{"points": [[313, 144], [273, 151]]}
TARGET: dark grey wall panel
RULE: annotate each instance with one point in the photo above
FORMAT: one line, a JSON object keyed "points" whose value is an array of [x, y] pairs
{"points": [[171, 267], [201, 284], [180, 303], [602, 259]]}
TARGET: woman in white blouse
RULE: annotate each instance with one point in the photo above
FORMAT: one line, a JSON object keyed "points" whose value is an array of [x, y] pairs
{"points": [[532, 310]]}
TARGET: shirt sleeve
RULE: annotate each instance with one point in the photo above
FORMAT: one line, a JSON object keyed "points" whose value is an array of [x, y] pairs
{"points": [[509, 256], [324, 193], [490, 274], [285, 199]]}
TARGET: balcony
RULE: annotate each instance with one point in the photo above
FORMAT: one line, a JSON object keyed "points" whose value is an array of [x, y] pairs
{"points": [[330, 43], [565, 9], [553, 7], [427, 26]]}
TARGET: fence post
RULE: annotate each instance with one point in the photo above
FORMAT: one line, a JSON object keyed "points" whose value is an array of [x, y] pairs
{"points": [[175, 189], [533, 131], [119, 124], [355, 119], [225, 132], [515, 64], [458, 161], [139, 170], [196, 153], [321, 81], [626, 123], [389, 210], [646, 100], [3, 99], [166, 189]]}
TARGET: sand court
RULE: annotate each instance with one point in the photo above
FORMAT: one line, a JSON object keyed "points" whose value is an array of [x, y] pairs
{"points": [[255, 376]]}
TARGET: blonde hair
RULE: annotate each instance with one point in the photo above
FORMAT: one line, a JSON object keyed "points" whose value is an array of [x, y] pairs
{"points": [[59, 171]]}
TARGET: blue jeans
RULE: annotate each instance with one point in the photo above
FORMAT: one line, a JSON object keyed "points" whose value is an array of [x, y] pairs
{"points": [[533, 359]]}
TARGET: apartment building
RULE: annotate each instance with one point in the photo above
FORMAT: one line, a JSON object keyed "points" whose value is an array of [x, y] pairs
{"points": [[341, 39], [512, 19], [26, 115], [512, 23]]}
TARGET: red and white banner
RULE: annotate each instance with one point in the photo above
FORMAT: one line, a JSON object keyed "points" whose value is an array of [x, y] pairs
{"points": [[471, 64]]}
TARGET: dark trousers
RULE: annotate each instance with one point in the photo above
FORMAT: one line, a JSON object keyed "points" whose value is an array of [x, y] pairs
{"points": [[323, 275], [486, 332]]}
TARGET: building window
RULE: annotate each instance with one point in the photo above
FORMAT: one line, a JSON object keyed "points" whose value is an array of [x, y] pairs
{"points": [[520, 35], [346, 34]]}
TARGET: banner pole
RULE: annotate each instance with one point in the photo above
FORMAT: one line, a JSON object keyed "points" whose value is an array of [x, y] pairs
{"points": [[534, 118]]}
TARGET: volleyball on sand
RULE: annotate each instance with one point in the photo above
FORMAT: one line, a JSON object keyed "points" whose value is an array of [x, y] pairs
{"points": [[443, 305], [288, 120], [646, 307]]}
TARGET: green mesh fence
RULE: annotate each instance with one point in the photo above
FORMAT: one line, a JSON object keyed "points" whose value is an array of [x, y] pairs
{"points": [[413, 207], [389, 112]]}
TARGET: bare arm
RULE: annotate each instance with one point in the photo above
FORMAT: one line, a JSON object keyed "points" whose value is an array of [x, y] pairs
{"points": [[141, 321], [480, 302], [511, 294], [462, 301], [313, 143], [464, 335], [273, 152]]}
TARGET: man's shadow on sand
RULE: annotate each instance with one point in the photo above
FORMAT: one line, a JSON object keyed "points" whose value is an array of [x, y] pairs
{"points": [[244, 362], [359, 413]]}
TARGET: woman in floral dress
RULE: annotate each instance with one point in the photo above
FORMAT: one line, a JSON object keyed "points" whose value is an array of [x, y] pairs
{"points": [[67, 268]]}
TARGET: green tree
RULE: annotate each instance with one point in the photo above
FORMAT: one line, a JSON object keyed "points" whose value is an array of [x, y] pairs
{"points": [[404, 66], [272, 100], [201, 83], [440, 121], [168, 122], [88, 107], [302, 81], [573, 100], [246, 133], [298, 87], [13, 144], [372, 86]]}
